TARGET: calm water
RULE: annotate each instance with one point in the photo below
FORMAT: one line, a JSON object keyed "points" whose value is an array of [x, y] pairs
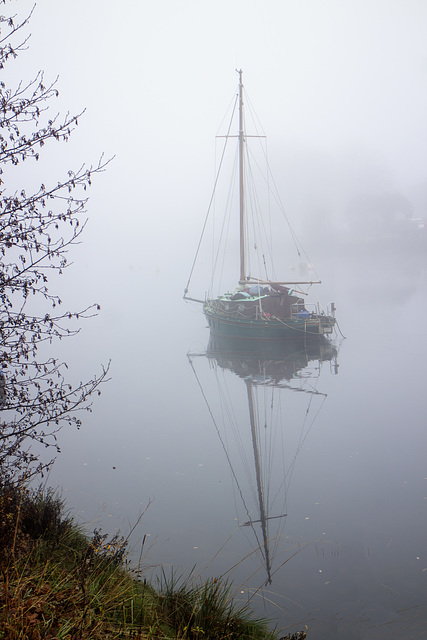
{"points": [[341, 450]]}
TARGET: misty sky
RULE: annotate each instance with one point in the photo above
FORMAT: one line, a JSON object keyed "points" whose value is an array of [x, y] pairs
{"points": [[339, 87]]}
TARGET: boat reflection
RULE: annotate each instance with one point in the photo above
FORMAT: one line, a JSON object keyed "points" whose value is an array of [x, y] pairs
{"points": [[256, 438], [273, 362]]}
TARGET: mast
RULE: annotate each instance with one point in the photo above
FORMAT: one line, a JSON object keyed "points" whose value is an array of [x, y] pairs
{"points": [[241, 181]]}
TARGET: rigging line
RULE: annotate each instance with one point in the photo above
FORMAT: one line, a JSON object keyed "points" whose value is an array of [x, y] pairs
{"points": [[219, 434], [303, 439], [279, 499], [254, 116], [300, 548], [212, 197], [298, 246], [256, 436], [300, 249], [256, 218], [247, 468], [339, 329], [213, 558], [227, 405], [258, 471], [271, 440], [233, 101], [263, 434], [278, 200], [237, 433], [250, 158], [224, 396], [276, 195], [270, 220], [225, 225], [263, 145]]}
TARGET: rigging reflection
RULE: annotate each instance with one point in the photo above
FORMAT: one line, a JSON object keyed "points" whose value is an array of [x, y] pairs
{"points": [[257, 433]]}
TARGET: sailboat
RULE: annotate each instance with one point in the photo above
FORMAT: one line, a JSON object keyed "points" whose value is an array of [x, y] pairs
{"points": [[259, 308]]}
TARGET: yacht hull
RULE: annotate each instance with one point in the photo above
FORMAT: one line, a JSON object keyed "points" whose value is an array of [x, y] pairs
{"points": [[267, 329]]}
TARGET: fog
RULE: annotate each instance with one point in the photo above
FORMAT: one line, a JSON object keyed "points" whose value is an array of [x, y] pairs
{"points": [[340, 89]]}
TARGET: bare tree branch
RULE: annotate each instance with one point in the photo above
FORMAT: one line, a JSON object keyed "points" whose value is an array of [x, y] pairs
{"points": [[36, 232]]}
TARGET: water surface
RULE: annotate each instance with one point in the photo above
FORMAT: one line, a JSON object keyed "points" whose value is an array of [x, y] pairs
{"points": [[342, 442]]}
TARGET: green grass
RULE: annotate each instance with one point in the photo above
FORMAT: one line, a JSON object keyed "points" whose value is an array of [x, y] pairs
{"points": [[58, 584], [205, 609]]}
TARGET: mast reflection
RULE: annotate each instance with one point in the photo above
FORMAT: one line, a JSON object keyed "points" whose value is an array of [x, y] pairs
{"points": [[267, 372]]}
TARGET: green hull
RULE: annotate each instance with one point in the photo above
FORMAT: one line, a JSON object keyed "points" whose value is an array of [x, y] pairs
{"points": [[271, 329]]}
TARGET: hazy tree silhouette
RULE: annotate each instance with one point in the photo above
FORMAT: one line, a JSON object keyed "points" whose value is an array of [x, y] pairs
{"points": [[37, 228]]}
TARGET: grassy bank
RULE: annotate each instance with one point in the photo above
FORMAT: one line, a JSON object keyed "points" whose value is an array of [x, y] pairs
{"points": [[56, 583]]}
